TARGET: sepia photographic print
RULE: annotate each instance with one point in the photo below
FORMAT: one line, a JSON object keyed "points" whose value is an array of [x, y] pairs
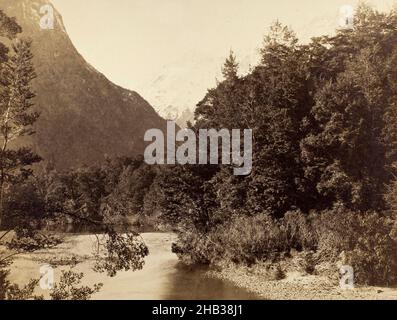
{"points": [[186, 150]]}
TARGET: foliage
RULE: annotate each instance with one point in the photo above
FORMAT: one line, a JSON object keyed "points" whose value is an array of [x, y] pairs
{"points": [[363, 241], [84, 196], [16, 116], [122, 252], [324, 119], [10, 291], [324, 122], [68, 287]]}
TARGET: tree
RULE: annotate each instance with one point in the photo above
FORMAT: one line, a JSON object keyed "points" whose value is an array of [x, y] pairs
{"points": [[349, 148], [16, 117], [79, 196], [277, 45], [230, 68], [9, 28]]}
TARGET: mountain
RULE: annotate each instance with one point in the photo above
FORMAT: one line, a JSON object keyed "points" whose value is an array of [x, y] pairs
{"points": [[176, 88], [83, 116], [179, 86]]}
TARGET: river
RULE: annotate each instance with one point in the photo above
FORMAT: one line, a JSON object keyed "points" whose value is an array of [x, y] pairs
{"points": [[163, 276]]}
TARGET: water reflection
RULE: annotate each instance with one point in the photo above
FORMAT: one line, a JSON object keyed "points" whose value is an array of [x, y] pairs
{"points": [[191, 283], [163, 276]]}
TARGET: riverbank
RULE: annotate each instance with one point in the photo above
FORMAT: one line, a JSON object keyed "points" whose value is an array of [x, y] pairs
{"points": [[298, 286], [164, 277]]}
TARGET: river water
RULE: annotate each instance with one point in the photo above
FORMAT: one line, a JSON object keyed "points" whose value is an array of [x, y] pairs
{"points": [[165, 278], [162, 278]]}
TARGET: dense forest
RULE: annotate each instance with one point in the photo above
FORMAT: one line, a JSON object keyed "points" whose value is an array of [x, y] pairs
{"points": [[324, 158], [323, 183]]}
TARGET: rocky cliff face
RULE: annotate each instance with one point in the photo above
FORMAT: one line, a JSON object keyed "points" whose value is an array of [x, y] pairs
{"points": [[84, 116]]}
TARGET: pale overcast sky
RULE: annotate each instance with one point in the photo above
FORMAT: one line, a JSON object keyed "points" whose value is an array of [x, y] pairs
{"points": [[130, 41]]}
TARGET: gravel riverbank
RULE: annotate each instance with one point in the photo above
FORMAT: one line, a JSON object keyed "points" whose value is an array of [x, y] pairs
{"points": [[297, 286]]}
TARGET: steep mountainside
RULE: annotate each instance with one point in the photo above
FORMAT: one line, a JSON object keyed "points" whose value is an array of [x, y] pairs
{"points": [[84, 116]]}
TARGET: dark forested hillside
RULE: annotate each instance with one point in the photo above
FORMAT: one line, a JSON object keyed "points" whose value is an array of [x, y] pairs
{"points": [[83, 116]]}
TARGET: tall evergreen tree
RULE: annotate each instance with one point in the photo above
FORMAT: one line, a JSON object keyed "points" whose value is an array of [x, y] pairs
{"points": [[230, 68], [16, 116]]}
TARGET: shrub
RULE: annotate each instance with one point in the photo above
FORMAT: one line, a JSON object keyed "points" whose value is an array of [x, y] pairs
{"points": [[197, 248], [249, 239], [298, 231], [364, 239], [309, 262], [242, 239], [332, 237], [279, 273]]}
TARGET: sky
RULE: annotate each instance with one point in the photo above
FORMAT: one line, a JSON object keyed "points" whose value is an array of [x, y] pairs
{"points": [[133, 42]]}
